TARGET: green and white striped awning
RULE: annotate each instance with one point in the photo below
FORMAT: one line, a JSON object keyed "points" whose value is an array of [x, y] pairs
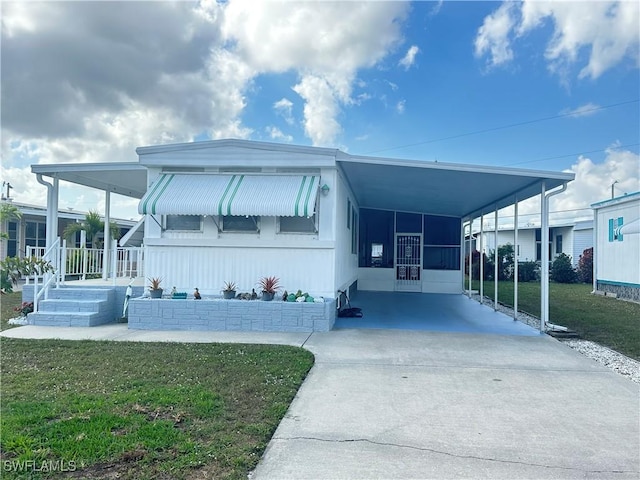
{"points": [[264, 195]]}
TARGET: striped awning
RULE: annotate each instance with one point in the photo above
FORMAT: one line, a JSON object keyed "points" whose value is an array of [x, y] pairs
{"points": [[264, 195]]}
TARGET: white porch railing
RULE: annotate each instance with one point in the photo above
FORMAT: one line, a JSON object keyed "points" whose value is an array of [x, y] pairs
{"points": [[84, 263]]}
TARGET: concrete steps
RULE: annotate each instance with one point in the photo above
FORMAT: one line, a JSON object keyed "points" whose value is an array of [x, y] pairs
{"points": [[75, 307]]}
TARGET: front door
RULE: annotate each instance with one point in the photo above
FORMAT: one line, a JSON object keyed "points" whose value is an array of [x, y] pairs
{"points": [[408, 262]]}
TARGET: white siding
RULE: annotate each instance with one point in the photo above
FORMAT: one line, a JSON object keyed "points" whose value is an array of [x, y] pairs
{"points": [[346, 262], [618, 261], [582, 239], [442, 281], [208, 268]]}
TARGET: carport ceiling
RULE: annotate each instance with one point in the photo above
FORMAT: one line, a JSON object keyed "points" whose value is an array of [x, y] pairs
{"points": [[129, 179], [440, 188]]}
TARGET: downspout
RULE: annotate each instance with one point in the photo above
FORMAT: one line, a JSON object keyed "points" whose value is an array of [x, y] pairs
{"points": [[481, 266], [52, 209], [544, 297], [495, 262], [516, 260]]}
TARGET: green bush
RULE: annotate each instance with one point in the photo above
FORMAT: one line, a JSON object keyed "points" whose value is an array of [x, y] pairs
{"points": [[527, 271], [562, 270]]}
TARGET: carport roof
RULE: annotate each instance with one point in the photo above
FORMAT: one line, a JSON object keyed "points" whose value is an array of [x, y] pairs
{"points": [[452, 189], [458, 190]]}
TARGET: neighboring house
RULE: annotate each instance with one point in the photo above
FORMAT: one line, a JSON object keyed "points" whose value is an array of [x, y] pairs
{"points": [[319, 219], [31, 229], [617, 249], [570, 239]]}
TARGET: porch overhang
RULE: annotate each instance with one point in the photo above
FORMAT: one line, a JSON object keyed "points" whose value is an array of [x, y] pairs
{"points": [[124, 178], [217, 194]]}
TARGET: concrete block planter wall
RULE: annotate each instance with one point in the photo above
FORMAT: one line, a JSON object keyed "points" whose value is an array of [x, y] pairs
{"points": [[237, 315]]}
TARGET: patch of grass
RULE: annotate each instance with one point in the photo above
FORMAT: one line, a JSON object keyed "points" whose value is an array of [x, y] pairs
{"points": [[143, 410], [604, 320], [8, 301]]}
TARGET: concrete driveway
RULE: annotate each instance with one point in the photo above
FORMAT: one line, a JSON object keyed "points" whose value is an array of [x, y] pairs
{"points": [[398, 404]]}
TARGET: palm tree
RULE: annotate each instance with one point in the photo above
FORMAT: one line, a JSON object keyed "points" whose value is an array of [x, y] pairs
{"points": [[8, 212], [94, 226]]}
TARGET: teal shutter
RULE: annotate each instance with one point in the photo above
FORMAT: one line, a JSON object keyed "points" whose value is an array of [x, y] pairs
{"points": [[611, 229]]}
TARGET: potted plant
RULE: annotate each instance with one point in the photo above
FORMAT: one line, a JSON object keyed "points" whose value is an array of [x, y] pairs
{"points": [[229, 290], [269, 286], [155, 290]]}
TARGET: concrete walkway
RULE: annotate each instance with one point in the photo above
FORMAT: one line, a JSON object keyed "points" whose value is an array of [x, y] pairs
{"points": [[399, 404]]}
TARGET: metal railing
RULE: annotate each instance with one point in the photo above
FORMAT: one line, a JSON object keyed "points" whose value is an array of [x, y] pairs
{"points": [[86, 263]]}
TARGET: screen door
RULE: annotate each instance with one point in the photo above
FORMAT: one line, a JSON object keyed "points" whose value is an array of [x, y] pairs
{"points": [[408, 262]]}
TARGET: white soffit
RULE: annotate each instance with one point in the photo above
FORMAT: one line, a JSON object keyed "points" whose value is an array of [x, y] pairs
{"points": [[202, 194]]}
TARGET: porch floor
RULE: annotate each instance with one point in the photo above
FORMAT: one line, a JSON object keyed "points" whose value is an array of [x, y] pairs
{"points": [[430, 311]]}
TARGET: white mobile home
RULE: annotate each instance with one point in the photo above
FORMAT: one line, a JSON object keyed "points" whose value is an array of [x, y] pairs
{"points": [[617, 246], [319, 219], [570, 239]]}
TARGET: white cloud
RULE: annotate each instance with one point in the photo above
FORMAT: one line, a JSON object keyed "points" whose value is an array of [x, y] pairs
{"points": [[410, 57], [326, 43], [493, 35], [320, 110], [603, 32], [400, 106], [284, 108], [585, 110], [276, 134]]}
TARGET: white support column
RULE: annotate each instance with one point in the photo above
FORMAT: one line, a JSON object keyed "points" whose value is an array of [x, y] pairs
{"points": [[470, 262], [481, 260], [107, 235], [54, 213], [593, 257], [515, 264], [495, 262], [462, 245], [544, 259]]}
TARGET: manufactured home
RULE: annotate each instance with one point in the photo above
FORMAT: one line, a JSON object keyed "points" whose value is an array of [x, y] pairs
{"points": [[319, 219], [616, 260]]}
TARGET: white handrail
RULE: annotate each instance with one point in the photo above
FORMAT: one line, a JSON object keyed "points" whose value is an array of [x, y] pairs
{"points": [[52, 255]]}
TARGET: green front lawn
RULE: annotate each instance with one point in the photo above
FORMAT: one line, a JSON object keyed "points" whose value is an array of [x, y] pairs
{"points": [[8, 301], [142, 410], [604, 320]]}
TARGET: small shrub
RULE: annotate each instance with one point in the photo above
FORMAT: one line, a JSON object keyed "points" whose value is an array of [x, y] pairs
{"points": [[527, 271], [24, 308], [585, 266], [562, 270]]}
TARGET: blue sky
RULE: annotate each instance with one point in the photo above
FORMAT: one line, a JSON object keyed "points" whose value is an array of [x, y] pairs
{"points": [[551, 86]]}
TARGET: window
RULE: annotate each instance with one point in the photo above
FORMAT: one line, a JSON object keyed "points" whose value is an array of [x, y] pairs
{"points": [[558, 244], [183, 222], [35, 234], [297, 224], [408, 222], [614, 229], [12, 241], [376, 238], [240, 223], [354, 233], [441, 243]]}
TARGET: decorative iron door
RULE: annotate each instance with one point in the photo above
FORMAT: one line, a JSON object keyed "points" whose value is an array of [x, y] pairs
{"points": [[408, 262]]}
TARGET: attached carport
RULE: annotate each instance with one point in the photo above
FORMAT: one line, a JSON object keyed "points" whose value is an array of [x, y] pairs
{"points": [[468, 192], [430, 312]]}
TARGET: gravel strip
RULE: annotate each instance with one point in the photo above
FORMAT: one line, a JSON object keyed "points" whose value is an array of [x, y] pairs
{"points": [[616, 361]]}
